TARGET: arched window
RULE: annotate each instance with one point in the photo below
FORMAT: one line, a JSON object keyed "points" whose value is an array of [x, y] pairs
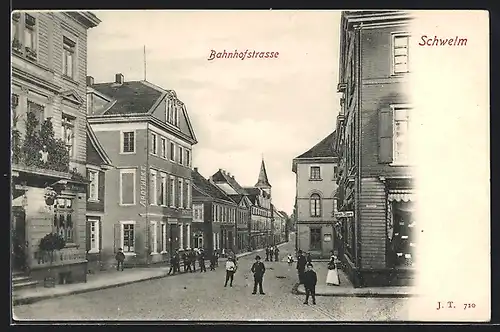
{"points": [[315, 201]]}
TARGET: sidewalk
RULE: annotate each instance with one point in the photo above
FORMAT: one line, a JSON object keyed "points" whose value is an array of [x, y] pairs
{"points": [[108, 279], [346, 289]]}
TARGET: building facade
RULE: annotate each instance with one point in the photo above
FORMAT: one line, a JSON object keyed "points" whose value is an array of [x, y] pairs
{"points": [[279, 226], [98, 163], [218, 213], [147, 133], [375, 196], [49, 132], [315, 204]]}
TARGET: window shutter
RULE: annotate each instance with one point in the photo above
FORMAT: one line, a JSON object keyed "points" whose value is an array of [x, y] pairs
{"points": [[100, 235], [100, 194], [151, 236], [117, 237], [385, 136], [88, 186], [87, 238]]}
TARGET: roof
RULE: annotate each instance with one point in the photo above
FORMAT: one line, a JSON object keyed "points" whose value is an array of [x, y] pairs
{"points": [[132, 97], [96, 145], [206, 188], [222, 176], [323, 149], [262, 181]]}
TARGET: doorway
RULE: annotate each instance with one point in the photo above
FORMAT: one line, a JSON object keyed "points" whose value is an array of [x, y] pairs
{"points": [[19, 243]]}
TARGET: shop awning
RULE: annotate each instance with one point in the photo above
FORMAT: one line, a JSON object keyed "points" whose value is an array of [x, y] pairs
{"points": [[401, 196]]}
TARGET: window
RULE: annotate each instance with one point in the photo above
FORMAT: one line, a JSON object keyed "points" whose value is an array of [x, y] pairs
{"points": [[93, 185], [400, 135], [178, 197], [128, 236], [128, 142], [39, 112], [186, 194], [154, 147], [127, 186], [172, 151], [93, 235], [315, 173], [68, 133], [334, 205], [163, 147], [315, 202], [68, 57], [176, 116], [400, 234], [30, 36], [152, 188], [163, 237], [400, 45], [16, 42], [63, 218], [163, 190], [315, 239], [154, 237], [188, 158], [180, 155], [172, 192], [170, 111]]}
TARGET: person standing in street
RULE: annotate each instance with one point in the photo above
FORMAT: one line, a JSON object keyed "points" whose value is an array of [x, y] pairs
{"points": [[173, 264], [301, 266], [230, 270], [271, 253], [267, 254], [258, 270], [290, 259], [309, 258], [276, 254], [186, 261], [213, 257], [201, 261], [310, 280], [192, 259], [120, 258]]}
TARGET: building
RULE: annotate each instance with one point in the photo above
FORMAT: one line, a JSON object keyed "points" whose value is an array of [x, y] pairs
{"points": [[49, 132], [98, 163], [214, 216], [315, 204], [279, 226], [375, 194], [146, 131]]}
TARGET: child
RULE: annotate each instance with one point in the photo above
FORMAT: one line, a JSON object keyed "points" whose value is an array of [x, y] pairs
{"points": [[230, 270], [310, 280], [120, 258], [290, 259]]}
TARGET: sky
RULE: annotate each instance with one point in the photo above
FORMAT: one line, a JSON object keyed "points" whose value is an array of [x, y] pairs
{"points": [[241, 110]]}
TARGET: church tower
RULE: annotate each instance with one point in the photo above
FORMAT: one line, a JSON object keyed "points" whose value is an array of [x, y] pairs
{"points": [[263, 182]]}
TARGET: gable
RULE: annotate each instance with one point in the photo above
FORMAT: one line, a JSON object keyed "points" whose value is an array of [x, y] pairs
{"points": [[93, 157], [168, 100], [72, 97]]}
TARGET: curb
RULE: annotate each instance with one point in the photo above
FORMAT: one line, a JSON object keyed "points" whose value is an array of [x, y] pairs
{"points": [[367, 294], [33, 299]]}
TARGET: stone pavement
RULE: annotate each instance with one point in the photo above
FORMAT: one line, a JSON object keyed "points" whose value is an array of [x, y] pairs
{"points": [[346, 289], [99, 281]]}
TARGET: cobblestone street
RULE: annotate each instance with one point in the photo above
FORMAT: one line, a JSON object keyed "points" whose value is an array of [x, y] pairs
{"points": [[202, 296]]}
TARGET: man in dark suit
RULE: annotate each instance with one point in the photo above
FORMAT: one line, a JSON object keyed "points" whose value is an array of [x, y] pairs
{"points": [[301, 266], [201, 261], [258, 270], [310, 281]]}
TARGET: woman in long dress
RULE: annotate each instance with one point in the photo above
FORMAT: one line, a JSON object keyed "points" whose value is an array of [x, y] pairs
{"points": [[332, 278]]}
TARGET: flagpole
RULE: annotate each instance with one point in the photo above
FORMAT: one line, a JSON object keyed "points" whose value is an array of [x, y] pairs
{"points": [[144, 62]]}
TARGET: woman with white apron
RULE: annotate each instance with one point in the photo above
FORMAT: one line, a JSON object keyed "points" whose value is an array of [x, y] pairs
{"points": [[332, 278]]}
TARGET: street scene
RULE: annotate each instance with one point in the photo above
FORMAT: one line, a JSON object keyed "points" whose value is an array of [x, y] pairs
{"points": [[152, 182], [202, 296]]}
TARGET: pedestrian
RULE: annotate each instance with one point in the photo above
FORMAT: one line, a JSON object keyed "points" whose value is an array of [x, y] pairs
{"points": [[216, 258], [310, 280], [186, 261], [258, 270], [276, 253], [301, 266], [120, 258], [177, 262], [230, 270], [267, 254], [201, 262], [309, 258], [290, 259], [173, 264], [271, 253], [213, 257], [332, 278], [192, 260]]}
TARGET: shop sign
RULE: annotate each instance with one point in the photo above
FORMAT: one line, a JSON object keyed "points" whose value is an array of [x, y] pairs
{"points": [[344, 214], [143, 186], [327, 237]]}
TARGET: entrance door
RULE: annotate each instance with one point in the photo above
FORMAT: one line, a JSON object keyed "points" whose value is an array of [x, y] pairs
{"points": [[19, 239]]}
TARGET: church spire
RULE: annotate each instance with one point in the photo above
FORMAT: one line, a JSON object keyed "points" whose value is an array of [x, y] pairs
{"points": [[263, 182]]}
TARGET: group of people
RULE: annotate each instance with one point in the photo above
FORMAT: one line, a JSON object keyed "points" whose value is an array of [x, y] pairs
{"points": [[272, 252], [189, 258]]}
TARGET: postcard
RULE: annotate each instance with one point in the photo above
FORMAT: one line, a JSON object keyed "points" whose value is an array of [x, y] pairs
{"points": [[251, 166]]}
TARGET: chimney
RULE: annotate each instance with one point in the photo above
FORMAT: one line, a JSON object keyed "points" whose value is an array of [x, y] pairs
{"points": [[232, 177], [90, 80], [119, 79], [228, 174], [196, 169]]}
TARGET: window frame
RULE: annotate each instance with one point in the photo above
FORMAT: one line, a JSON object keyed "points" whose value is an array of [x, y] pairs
{"points": [[311, 229], [164, 183], [394, 36], [173, 153], [154, 144], [95, 223], [164, 237], [69, 123], [69, 49], [122, 237], [153, 187], [180, 182], [318, 206], [66, 211], [311, 168], [163, 148], [180, 155], [172, 185], [394, 108], [96, 198], [122, 141], [34, 36], [187, 158], [128, 171], [154, 237]]}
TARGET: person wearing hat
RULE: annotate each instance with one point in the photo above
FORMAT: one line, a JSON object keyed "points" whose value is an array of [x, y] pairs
{"points": [[258, 270], [301, 266], [310, 280]]}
